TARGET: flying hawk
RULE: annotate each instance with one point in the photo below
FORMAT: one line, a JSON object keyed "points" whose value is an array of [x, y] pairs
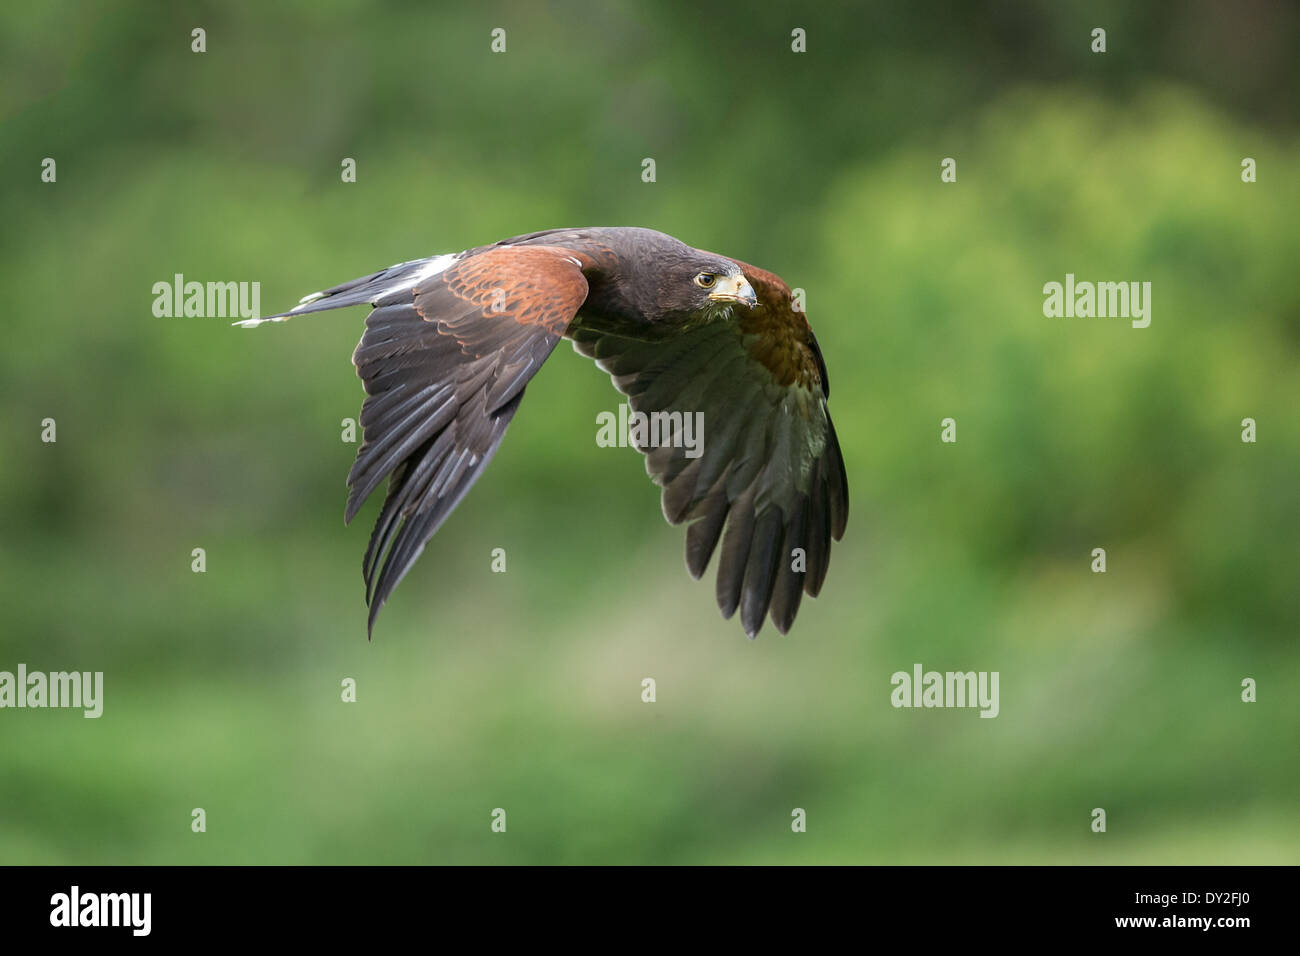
{"points": [[452, 341]]}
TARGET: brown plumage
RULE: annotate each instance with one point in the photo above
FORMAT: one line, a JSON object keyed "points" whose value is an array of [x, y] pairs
{"points": [[453, 340]]}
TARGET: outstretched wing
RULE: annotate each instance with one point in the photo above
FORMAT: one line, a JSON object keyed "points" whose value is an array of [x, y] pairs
{"points": [[769, 469], [445, 357]]}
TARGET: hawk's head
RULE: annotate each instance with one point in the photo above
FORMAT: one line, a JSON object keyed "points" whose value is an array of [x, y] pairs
{"points": [[701, 284]]}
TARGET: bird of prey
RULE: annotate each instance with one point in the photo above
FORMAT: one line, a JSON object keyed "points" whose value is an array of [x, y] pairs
{"points": [[452, 341]]}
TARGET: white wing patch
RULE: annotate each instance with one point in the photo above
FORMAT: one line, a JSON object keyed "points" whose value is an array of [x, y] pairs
{"points": [[396, 278], [254, 323], [409, 280]]}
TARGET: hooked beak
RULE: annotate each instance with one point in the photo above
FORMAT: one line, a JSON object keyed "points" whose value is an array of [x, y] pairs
{"points": [[734, 289]]}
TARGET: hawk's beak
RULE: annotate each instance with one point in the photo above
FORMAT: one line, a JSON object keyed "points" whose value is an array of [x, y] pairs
{"points": [[734, 289]]}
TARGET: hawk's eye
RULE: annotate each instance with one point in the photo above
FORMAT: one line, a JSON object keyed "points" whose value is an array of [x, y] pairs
{"points": [[705, 279]]}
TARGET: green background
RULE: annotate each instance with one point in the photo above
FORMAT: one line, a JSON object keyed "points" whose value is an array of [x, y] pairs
{"points": [[522, 690]]}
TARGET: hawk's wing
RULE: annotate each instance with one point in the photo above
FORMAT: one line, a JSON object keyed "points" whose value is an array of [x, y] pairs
{"points": [[770, 468], [445, 357]]}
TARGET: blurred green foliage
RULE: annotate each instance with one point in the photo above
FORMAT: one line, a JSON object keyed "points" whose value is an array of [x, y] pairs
{"points": [[522, 690]]}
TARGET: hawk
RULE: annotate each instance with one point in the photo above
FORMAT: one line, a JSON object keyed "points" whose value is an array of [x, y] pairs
{"points": [[452, 341]]}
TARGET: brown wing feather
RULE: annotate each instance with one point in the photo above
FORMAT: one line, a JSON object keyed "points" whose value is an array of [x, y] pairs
{"points": [[782, 338], [770, 478], [444, 369]]}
